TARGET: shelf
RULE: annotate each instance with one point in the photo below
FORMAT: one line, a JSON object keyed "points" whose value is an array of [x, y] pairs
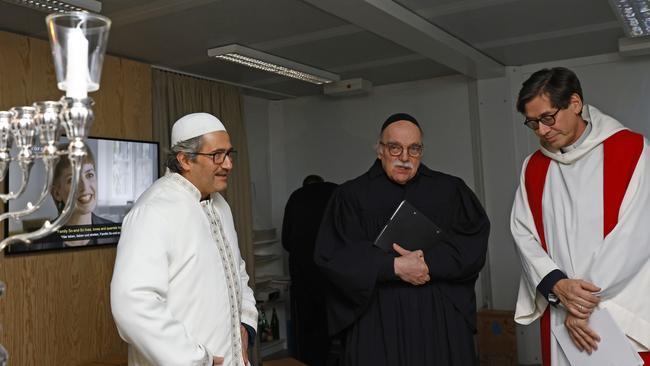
{"points": [[271, 285], [276, 278], [262, 283], [271, 347], [268, 280], [264, 278], [281, 355], [267, 293], [272, 302], [264, 235], [261, 243], [265, 258]]}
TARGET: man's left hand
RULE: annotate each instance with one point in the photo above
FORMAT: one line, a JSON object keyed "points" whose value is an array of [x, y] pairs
{"points": [[410, 266], [577, 296], [244, 343], [582, 335]]}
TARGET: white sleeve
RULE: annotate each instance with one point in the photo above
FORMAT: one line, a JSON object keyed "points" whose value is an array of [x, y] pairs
{"points": [[139, 293], [535, 260], [248, 311], [536, 263]]}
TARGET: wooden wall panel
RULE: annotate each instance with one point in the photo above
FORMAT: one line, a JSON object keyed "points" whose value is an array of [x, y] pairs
{"points": [[14, 58], [123, 103], [56, 311]]}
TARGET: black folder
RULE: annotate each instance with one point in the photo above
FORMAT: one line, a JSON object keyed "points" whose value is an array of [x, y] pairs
{"points": [[409, 228]]}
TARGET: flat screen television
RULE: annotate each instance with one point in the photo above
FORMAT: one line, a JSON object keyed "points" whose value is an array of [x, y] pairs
{"points": [[113, 176]]}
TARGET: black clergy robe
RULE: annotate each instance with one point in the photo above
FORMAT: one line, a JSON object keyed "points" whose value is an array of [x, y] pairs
{"points": [[302, 217], [385, 320]]}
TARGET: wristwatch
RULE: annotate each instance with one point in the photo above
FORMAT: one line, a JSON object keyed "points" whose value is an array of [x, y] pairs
{"points": [[553, 299]]}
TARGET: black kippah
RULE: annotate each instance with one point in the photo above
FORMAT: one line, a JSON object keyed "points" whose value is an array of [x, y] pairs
{"points": [[400, 117]]}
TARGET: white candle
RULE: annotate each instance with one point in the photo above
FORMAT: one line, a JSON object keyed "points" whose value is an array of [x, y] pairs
{"points": [[76, 77]]}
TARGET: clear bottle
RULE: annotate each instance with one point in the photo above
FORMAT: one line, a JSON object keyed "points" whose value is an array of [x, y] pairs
{"points": [[262, 326], [275, 325]]}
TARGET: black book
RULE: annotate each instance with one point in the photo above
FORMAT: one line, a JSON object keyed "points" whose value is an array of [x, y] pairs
{"points": [[409, 228]]}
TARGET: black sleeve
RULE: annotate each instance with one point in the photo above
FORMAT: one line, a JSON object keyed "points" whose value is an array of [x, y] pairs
{"points": [[546, 284], [286, 225], [461, 252], [349, 261], [251, 334]]}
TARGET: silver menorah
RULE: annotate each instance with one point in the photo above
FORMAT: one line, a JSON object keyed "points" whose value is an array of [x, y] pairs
{"points": [[78, 41], [44, 119]]}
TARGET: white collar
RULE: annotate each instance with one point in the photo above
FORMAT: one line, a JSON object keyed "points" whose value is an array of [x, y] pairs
{"points": [[602, 127], [580, 140], [184, 183]]}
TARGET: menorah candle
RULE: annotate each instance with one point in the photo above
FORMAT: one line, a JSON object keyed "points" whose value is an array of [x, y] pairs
{"points": [[76, 77]]}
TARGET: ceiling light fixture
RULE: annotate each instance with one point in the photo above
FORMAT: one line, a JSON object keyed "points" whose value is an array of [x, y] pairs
{"points": [[635, 16], [266, 62], [59, 6], [633, 46]]}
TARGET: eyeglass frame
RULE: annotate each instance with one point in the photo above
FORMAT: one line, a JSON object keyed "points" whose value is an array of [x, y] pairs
{"points": [[226, 153], [536, 121], [420, 148]]}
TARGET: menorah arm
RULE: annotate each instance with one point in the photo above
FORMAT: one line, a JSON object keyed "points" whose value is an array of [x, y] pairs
{"points": [[5, 160], [63, 218], [4, 356], [23, 184], [31, 208]]}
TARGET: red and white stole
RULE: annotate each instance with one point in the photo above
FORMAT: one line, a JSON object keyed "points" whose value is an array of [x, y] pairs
{"points": [[621, 153]]}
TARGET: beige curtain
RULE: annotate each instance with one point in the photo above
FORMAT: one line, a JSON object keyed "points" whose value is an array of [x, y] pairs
{"points": [[176, 95]]}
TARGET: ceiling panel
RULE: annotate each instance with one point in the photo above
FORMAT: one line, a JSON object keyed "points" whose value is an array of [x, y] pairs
{"points": [[398, 73], [580, 45], [293, 87], [415, 5], [344, 50], [21, 20], [524, 17], [433, 8], [226, 21], [182, 38], [262, 95], [177, 33]]}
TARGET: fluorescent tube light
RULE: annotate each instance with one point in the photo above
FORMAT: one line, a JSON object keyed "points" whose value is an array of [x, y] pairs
{"points": [[635, 16], [60, 6], [266, 62]]}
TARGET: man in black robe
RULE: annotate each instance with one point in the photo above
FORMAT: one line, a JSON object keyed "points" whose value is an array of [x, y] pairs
{"points": [[407, 308], [302, 216]]}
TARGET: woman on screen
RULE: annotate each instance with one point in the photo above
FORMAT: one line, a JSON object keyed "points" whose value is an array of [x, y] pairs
{"points": [[86, 196]]}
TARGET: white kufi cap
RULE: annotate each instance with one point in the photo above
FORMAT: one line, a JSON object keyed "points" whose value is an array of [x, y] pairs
{"points": [[194, 125]]}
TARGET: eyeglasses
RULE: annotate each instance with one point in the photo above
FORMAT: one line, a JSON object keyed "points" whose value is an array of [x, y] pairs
{"points": [[548, 120], [394, 149], [219, 156]]}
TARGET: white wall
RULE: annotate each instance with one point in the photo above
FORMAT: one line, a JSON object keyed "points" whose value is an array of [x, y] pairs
{"points": [[335, 138], [500, 182]]}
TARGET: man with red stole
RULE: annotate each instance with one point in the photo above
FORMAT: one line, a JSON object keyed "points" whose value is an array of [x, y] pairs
{"points": [[581, 219]]}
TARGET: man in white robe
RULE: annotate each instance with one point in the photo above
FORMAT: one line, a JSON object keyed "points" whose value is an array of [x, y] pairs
{"points": [[581, 219], [180, 292]]}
